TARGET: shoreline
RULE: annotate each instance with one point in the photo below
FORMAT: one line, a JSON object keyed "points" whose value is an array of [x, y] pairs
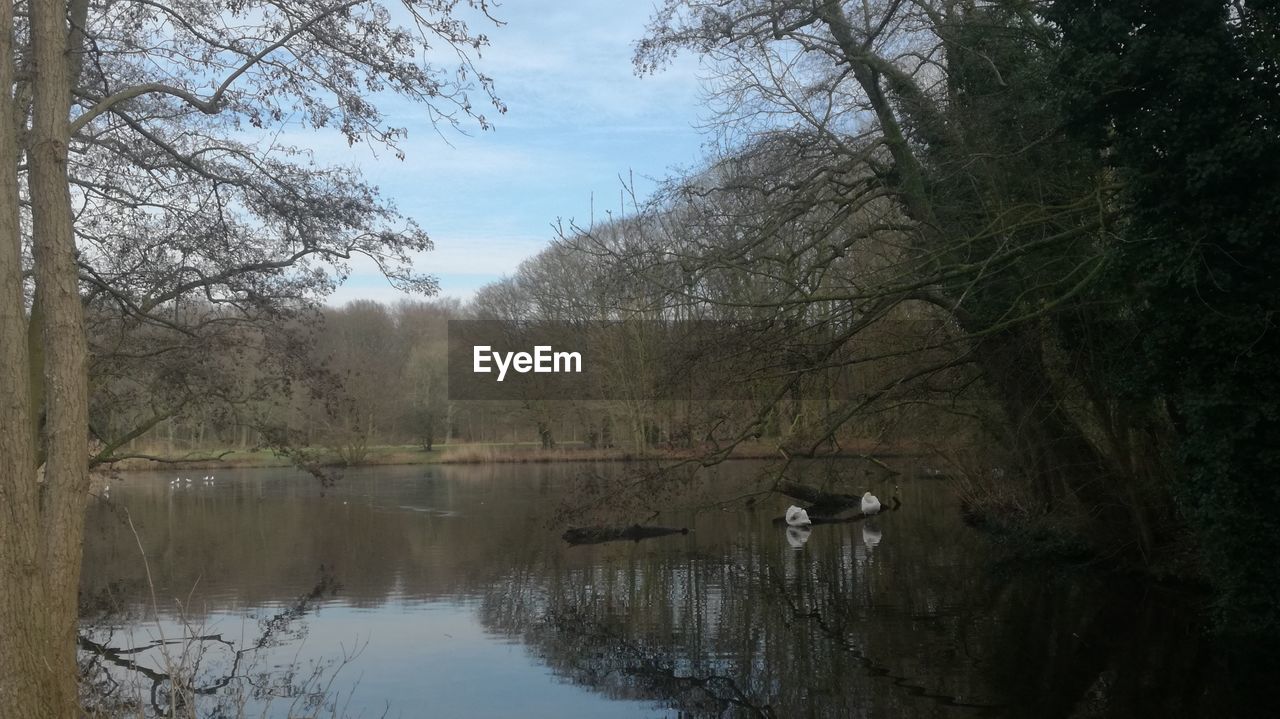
{"points": [[405, 455]]}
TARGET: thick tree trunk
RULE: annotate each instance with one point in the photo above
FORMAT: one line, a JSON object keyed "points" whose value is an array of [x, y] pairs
{"points": [[23, 677], [39, 608]]}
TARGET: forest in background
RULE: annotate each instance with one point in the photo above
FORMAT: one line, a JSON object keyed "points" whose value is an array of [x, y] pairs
{"points": [[376, 375], [1082, 195]]}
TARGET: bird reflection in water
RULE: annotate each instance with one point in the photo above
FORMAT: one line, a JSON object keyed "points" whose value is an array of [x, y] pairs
{"points": [[797, 536]]}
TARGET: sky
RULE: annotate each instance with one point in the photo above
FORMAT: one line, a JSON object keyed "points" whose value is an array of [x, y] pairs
{"points": [[578, 120]]}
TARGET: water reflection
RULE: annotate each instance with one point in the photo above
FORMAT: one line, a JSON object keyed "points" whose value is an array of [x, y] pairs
{"points": [[181, 669], [442, 569], [797, 536], [871, 535]]}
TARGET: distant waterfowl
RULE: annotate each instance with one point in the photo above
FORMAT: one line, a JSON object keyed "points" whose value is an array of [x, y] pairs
{"points": [[797, 517], [870, 505]]}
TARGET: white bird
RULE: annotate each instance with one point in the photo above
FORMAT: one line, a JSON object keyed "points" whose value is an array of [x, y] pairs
{"points": [[797, 517], [870, 505]]}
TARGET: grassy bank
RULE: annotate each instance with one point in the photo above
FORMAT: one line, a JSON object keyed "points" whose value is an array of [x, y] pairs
{"points": [[382, 455]]}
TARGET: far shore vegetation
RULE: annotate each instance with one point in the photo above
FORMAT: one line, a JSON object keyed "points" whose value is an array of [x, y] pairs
{"points": [[487, 453]]}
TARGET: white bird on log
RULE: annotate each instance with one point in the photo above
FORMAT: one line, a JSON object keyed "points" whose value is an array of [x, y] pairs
{"points": [[870, 505], [797, 517]]}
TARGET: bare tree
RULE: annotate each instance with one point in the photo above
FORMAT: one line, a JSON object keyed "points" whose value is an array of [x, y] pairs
{"points": [[124, 124], [891, 156]]}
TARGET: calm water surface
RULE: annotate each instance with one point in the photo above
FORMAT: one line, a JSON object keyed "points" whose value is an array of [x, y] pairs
{"points": [[449, 593]]}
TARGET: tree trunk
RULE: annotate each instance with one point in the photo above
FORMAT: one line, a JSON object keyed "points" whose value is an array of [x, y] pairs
{"points": [[40, 601], [35, 372], [22, 675], [1048, 443]]}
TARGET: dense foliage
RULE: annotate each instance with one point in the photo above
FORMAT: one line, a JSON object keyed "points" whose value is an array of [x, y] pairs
{"points": [[1184, 101]]}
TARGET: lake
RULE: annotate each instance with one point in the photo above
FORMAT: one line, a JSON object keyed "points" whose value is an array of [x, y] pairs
{"points": [[446, 591]]}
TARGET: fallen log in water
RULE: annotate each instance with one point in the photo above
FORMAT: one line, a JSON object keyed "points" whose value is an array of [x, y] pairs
{"points": [[828, 502], [599, 535], [815, 520], [824, 506]]}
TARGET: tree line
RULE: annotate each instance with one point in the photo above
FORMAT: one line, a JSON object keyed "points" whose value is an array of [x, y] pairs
{"points": [[369, 374]]}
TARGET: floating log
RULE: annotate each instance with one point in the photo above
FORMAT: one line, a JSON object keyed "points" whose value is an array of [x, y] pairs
{"points": [[824, 506], [828, 519], [828, 502], [600, 535]]}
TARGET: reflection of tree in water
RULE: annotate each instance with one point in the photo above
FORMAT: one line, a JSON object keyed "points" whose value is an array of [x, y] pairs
{"points": [[198, 674], [711, 637], [597, 654], [895, 617], [766, 633]]}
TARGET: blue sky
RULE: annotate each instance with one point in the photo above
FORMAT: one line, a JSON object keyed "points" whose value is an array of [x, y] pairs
{"points": [[578, 119]]}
